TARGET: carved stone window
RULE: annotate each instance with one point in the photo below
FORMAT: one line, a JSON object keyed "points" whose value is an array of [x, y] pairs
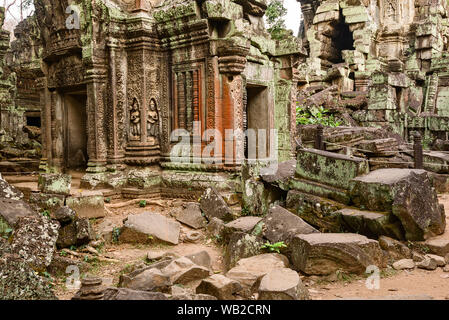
{"points": [[188, 97]]}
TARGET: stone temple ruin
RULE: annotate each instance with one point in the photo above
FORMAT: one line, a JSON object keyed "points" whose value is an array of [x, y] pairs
{"points": [[149, 100]]}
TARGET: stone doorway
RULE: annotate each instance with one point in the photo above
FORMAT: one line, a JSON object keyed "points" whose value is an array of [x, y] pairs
{"points": [[256, 122], [75, 137]]}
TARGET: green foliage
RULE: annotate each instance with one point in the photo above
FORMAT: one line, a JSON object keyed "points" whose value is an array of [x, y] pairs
{"points": [[46, 213], [275, 15], [274, 247], [316, 115], [115, 234], [142, 203], [107, 200], [63, 253], [245, 212]]}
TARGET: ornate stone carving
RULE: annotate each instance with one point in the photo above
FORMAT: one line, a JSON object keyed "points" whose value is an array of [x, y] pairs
{"points": [[134, 120]]}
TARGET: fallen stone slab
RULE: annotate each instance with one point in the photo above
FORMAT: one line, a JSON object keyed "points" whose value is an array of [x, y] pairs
{"points": [[440, 261], [10, 212], [220, 287], [64, 215], [76, 233], [371, 224], [183, 271], [249, 271], [279, 175], [396, 249], [18, 281], [150, 280], [201, 258], [427, 263], [46, 201], [191, 215], [241, 245], [145, 226], [8, 191], [438, 246], [282, 284], [282, 225], [215, 227], [325, 253], [214, 206], [130, 294], [404, 264], [192, 296], [59, 265], [243, 224], [408, 194], [55, 183], [34, 239], [87, 204]]}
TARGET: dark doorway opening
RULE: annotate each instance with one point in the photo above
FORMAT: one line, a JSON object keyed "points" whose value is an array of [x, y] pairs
{"points": [[75, 139], [34, 121], [256, 124]]}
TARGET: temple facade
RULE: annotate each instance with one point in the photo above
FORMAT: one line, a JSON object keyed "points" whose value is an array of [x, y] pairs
{"points": [[129, 85]]}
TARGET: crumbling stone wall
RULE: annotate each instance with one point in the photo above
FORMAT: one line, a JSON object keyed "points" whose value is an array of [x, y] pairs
{"points": [[390, 71]]}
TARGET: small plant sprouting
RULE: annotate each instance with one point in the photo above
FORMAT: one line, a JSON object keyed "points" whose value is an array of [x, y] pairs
{"points": [[115, 234], [274, 247], [245, 212], [63, 253], [107, 200], [142, 203], [46, 213]]}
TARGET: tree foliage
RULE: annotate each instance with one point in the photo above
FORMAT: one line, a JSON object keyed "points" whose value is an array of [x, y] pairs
{"points": [[275, 15]]}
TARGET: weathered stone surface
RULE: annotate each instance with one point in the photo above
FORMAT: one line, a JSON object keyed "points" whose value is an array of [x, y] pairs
{"points": [[317, 211], [282, 225], [438, 246], [150, 280], [65, 215], [241, 245], [404, 264], [76, 233], [215, 227], [285, 171], [34, 239], [219, 286], [8, 191], [55, 183], [282, 284], [257, 196], [183, 271], [11, 211], [408, 194], [191, 296], [440, 261], [201, 258], [243, 224], [46, 201], [20, 282], [325, 253], [249, 271], [427, 263], [214, 206], [371, 224], [130, 294], [191, 216], [59, 265], [396, 249], [138, 228], [87, 204]]}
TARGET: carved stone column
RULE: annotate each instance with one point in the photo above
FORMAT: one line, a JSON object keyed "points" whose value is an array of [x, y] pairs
{"points": [[96, 119], [115, 153]]}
